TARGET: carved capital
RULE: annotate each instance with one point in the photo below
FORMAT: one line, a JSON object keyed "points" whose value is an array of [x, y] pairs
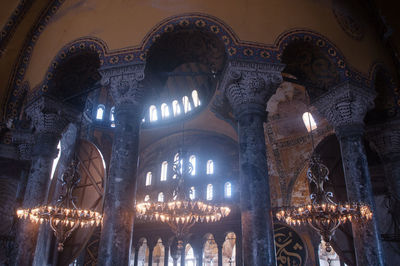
{"points": [[345, 106], [24, 142], [386, 141], [249, 85], [125, 83], [49, 116]]}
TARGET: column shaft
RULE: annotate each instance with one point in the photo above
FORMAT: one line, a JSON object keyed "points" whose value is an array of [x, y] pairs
{"points": [[183, 257], [35, 194], [257, 228], [136, 260], [367, 244], [219, 255], [166, 255], [150, 257], [119, 206]]}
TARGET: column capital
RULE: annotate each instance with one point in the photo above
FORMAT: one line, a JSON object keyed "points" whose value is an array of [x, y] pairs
{"points": [[125, 83], [345, 106], [249, 85], [50, 116], [24, 141], [387, 142]]}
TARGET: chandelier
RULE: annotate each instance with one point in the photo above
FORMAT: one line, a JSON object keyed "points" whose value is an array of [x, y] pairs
{"points": [[182, 212], [64, 217], [324, 215]]}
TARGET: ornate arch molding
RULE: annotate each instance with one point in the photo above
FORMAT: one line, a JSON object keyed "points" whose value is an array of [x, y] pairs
{"points": [[346, 71], [235, 48]]}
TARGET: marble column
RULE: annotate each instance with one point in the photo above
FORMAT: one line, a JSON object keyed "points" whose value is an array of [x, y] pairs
{"points": [[183, 257], [220, 255], [150, 256], [119, 210], [49, 119], [136, 260], [345, 107], [166, 255], [248, 87]]}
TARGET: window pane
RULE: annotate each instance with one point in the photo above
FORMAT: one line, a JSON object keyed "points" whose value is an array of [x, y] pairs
{"points": [[100, 112], [228, 190], [112, 117], [195, 97], [210, 167], [176, 108], [309, 121], [147, 198], [164, 111], [186, 104], [192, 160], [161, 197], [192, 193], [164, 168], [153, 113], [209, 192], [148, 178]]}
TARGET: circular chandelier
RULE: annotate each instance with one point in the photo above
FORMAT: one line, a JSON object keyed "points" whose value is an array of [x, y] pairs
{"points": [[323, 214], [182, 212], [64, 217]]}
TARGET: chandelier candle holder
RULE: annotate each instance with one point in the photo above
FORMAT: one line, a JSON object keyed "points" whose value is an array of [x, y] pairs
{"points": [[64, 217], [181, 213], [323, 214]]}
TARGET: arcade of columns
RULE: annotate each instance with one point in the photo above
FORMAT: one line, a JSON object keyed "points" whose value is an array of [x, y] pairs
{"points": [[248, 87]]}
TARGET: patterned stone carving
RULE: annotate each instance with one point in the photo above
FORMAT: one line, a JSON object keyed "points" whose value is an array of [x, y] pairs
{"points": [[24, 142], [386, 139], [125, 83], [49, 115], [345, 105], [250, 84]]}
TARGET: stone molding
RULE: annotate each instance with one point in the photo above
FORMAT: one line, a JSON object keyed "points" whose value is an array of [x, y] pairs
{"points": [[249, 85], [345, 106], [125, 83], [50, 116]]}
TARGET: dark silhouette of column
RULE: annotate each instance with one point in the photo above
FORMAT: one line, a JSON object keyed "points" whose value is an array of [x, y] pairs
{"points": [[220, 255], [166, 255], [248, 87], [136, 260], [49, 119], [345, 107], [119, 210], [150, 256]]}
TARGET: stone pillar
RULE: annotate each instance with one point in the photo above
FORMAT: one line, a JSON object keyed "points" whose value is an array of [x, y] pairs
{"points": [[136, 260], [183, 256], [198, 253], [345, 107], [387, 142], [49, 119], [166, 255], [150, 256], [248, 87], [119, 209], [220, 255], [238, 257]]}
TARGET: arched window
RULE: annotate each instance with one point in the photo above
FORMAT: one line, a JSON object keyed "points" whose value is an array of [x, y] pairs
{"points": [[186, 104], [228, 190], [164, 111], [210, 167], [153, 113], [209, 195], [161, 197], [192, 160], [192, 193], [309, 121], [147, 198], [195, 97], [100, 112], [148, 178], [112, 116], [176, 108], [164, 167]]}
